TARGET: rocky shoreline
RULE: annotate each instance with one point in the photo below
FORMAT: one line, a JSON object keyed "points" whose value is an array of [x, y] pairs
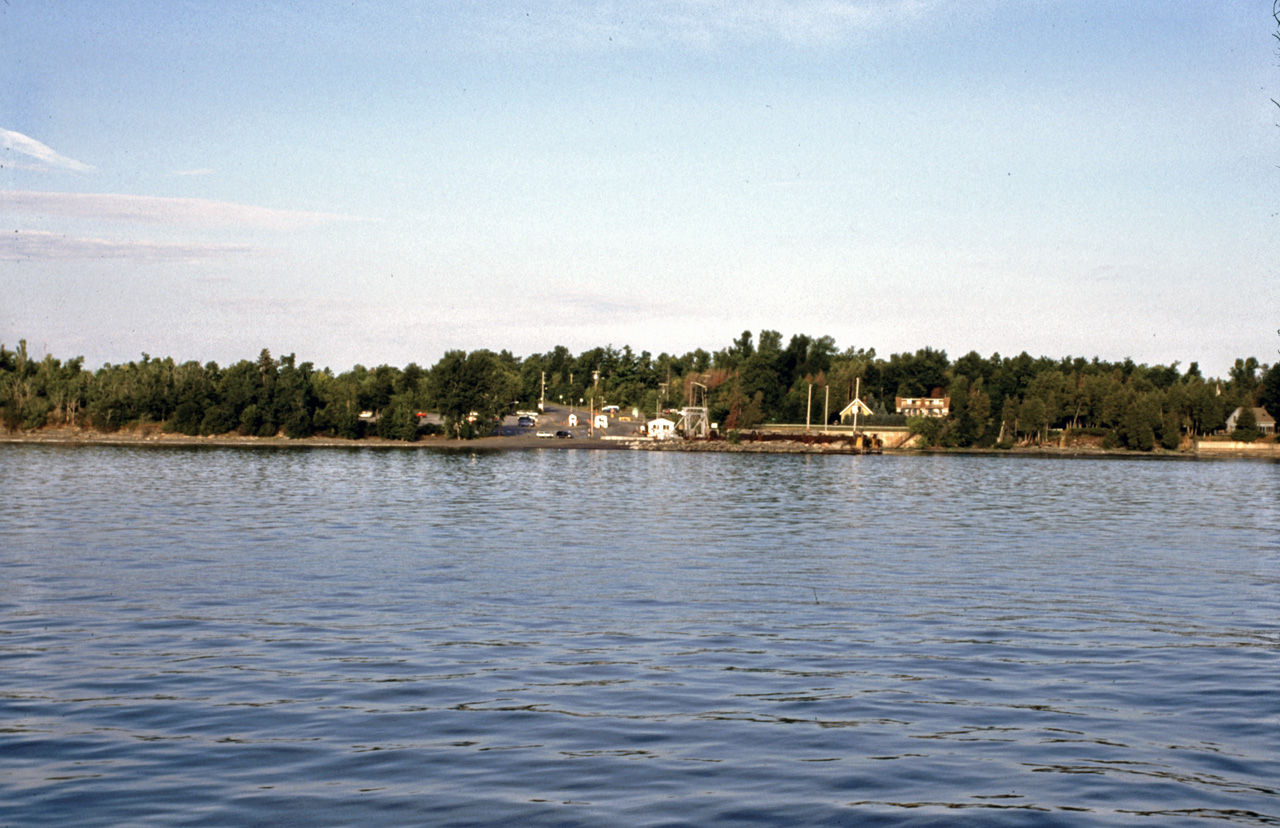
{"points": [[154, 437]]}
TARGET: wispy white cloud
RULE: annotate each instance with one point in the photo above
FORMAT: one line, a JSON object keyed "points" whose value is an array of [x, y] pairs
{"points": [[156, 210], [205, 171], [700, 23], [40, 245], [12, 141]]}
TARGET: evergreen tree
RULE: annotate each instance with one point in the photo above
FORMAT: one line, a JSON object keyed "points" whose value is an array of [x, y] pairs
{"points": [[1246, 420], [1269, 392]]}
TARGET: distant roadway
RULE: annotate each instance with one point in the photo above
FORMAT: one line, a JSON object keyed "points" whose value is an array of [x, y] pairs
{"points": [[556, 418]]}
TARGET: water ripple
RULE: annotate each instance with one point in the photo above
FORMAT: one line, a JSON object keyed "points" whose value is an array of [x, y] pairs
{"points": [[211, 636]]}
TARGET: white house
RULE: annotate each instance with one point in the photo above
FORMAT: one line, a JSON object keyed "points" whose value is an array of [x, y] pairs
{"points": [[601, 421], [661, 428], [573, 419], [923, 406], [1266, 423]]}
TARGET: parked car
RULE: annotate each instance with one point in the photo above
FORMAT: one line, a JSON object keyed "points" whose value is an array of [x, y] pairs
{"points": [[563, 434], [545, 434], [526, 422]]}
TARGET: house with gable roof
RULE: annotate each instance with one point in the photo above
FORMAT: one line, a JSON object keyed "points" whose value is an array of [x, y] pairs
{"points": [[1266, 423]]}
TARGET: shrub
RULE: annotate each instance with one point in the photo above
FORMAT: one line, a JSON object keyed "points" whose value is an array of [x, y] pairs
{"points": [[929, 429], [218, 420], [881, 420], [36, 413], [250, 420], [185, 420], [298, 425]]}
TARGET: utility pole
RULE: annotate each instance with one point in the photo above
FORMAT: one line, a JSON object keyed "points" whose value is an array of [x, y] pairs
{"points": [[826, 407], [808, 409], [857, 398]]}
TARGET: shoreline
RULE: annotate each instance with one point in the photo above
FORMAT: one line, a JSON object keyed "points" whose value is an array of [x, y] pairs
{"points": [[64, 436]]}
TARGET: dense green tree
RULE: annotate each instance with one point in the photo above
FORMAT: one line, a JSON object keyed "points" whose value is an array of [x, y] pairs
{"points": [[1119, 399], [1171, 432], [749, 382], [970, 411], [1269, 391], [398, 421], [979, 414], [928, 430], [1204, 408], [472, 390], [1162, 376], [1140, 422], [1244, 376], [743, 412], [913, 375], [770, 343], [758, 375], [295, 400], [1033, 418], [193, 396], [1008, 420], [1246, 420], [376, 388]]}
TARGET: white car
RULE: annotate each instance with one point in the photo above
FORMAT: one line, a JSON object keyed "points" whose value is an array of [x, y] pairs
{"points": [[545, 434]]}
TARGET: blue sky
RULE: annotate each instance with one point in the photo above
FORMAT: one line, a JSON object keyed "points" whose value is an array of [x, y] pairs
{"points": [[381, 182]]}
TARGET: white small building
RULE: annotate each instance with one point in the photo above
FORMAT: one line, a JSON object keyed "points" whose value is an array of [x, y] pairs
{"points": [[661, 428], [856, 406], [573, 420], [601, 421], [1266, 423]]}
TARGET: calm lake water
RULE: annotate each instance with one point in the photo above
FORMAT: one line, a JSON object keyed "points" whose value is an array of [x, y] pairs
{"points": [[563, 637]]}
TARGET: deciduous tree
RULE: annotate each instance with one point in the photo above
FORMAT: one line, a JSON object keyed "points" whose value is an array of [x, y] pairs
{"points": [[471, 390]]}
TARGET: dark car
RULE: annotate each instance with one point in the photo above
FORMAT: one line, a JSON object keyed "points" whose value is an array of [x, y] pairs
{"points": [[563, 434], [526, 422]]}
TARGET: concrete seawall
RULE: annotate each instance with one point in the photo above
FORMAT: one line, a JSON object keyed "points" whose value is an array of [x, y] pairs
{"points": [[891, 437], [1238, 448]]}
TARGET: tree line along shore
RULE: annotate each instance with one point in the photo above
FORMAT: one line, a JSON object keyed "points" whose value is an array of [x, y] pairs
{"points": [[992, 402]]}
